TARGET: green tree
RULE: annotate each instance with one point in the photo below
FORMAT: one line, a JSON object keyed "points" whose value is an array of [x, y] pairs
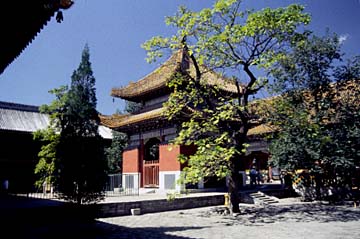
{"points": [[131, 107], [114, 152], [232, 42], [119, 142], [46, 167], [318, 112], [81, 165]]}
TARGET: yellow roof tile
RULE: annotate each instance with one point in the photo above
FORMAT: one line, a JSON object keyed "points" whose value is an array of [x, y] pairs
{"points": [[159, 77], [261, 129], [118, 121]]}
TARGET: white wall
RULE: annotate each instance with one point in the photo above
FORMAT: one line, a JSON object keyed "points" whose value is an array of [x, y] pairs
{"points": [[162, 180], [136, 177]]}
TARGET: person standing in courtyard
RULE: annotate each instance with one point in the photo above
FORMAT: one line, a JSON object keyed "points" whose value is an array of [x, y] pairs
{"points": [[253, 176], [5, 185]]}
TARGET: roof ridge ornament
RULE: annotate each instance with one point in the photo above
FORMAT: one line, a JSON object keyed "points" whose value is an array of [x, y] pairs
{"points": [[66, 4], [58, 4], [63, 4], [59, 16]]}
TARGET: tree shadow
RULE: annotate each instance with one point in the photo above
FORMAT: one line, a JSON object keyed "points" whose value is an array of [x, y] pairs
{"points": [[24, 218], [312, 212], [106, 230], [90, 230]]}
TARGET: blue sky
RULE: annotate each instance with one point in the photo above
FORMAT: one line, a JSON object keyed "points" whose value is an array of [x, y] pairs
{"points": [[115, 30]]}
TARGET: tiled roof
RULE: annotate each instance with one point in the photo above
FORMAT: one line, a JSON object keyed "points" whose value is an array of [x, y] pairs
{"points": [[261, 129], [117, 121], [153, 81], [105, 132], [159, 77], [347, 90], [21, 21], [27, 118]]}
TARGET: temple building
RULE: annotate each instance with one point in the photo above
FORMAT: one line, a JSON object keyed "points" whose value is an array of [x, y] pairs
{"points": [[149, 161]]}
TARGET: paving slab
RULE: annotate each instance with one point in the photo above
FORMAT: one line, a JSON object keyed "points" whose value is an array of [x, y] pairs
{"points": [[286, 220]]}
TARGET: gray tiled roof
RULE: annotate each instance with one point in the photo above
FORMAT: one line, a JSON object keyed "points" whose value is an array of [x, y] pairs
{"points": [[18, 117], [27, 118], [105, 132]]}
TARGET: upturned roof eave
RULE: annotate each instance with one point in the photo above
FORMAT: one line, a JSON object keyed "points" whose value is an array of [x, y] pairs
{"points": [[157, 80], [121, 121], [154, 81]]}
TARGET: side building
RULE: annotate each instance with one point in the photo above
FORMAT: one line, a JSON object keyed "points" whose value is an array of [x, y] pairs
{"points": [[18, 151]]}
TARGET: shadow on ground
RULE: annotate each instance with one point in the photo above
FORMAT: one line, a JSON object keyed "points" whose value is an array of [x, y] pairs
{"points": [[306, 212], [89, 230], [24, 218], [110, 231], [31, 221]]}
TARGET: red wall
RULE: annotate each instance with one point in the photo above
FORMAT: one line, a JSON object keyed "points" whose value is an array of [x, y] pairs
{"points": [[168, 158], [131, 161]]}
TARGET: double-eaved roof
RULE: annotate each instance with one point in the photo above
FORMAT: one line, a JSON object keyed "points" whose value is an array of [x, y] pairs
{"points": [[155, 84], [28, 119]]}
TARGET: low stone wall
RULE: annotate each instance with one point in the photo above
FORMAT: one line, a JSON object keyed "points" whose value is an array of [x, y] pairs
{"points": [[151, 206]]}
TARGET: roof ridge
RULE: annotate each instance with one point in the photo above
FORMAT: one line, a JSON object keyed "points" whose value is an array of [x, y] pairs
{"points": [[17, 106], [174, 55], [160, 75]]}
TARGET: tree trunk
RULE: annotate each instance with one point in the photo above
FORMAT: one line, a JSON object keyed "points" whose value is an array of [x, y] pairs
{"points": [[78, 200], [78, 194], [236, 160], [234, 185], [234, 192]]}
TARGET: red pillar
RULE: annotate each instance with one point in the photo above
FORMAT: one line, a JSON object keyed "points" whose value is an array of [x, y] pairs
{"points": [[141, 162]]}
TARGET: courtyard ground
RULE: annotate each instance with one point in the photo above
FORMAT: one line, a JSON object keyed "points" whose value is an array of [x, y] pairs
{"points": [[289, 218], [281, 221], [284, 220]]}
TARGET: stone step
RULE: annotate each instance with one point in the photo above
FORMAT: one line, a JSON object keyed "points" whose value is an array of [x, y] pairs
{"points": [[270, 202], [260, 197], [257, 195], [268, 199]]}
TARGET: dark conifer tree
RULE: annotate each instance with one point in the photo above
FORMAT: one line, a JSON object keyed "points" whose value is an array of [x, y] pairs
{"points": [[81, 163]]}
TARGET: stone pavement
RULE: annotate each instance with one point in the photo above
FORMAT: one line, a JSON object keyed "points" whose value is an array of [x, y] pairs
{"points": [[281, 221], [287, 219]]}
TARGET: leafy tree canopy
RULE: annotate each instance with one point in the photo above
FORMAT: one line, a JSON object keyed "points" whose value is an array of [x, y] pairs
{"points": [[114, 152], [318, 112], [132, 107], [234, 43], [45, 168]]}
